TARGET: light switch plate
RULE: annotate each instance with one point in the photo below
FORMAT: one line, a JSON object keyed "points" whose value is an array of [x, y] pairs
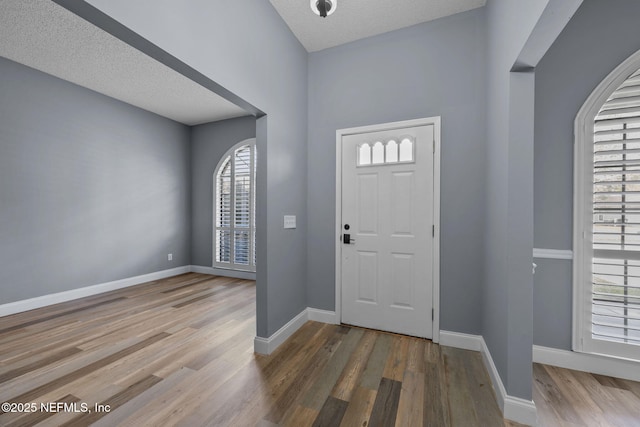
{"points": [[289, 221]]}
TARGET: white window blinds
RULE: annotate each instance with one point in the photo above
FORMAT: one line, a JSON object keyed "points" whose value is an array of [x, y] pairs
{"points": [[615, 290], [223, 212], [234, 184]]}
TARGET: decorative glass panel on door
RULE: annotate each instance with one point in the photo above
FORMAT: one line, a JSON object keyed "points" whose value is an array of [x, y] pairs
{"points": [[406, 150], [378, 153], [385, 152], [391, 152]]}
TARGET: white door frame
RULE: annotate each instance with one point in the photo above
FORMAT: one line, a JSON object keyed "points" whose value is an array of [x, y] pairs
{"points": [[435, 121]]}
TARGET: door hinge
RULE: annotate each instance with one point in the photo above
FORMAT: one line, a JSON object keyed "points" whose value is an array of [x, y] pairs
{"points": [[434, 146], [433, 231], [432, 314]]}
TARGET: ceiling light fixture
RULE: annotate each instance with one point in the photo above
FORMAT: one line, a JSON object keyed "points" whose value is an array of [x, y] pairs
{"points": [[323, 8]]}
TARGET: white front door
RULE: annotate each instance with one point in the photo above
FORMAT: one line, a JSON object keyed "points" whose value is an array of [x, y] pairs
{"points": [[387, 220]]}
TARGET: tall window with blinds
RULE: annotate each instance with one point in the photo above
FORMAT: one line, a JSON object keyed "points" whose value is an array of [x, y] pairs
{"points": [[234, 207], [610, 287]]}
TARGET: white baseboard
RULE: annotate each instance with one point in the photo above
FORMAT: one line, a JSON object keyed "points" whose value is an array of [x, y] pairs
{"points": [[248, 275], [498, 385], [593, 363], [513, 408], [520, 410], [459, 340], [324, 316], [261, 345], [45, 300], [269, 345]]}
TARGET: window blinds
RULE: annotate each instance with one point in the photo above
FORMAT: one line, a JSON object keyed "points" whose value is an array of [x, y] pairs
{"points": [[615, 295], [242, 205], [235, 210], [223, 212]]}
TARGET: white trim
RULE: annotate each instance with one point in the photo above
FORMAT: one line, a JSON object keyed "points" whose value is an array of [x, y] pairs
{"points": [[513, 408], [51, 299], [269, 345], [496, 381], [248, 275], [436, 122], [459, 340], [583, 198], [435, 337], [520, 410], [552, 253], [262, 346], [338, 227], [593, 363], [324, 316]]}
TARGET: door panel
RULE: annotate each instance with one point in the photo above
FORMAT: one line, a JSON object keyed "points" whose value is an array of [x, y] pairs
{"points": [[402, 187], [367, 277], [387, 202], [402, 272], [367, 203]]}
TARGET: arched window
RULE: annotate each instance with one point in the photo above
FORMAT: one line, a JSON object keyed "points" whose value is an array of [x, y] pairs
{"points": [[607, 217], [234, 208]]}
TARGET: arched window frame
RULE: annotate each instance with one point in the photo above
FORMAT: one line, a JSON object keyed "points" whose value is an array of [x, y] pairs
{"points": [[582, 340], [233, 227]]}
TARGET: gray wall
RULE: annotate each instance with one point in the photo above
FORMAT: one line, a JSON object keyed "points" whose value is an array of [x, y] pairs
{"points": [[91, 189], [552, 298], [506, 317], [209, 142], [245, 46], [600, 36], [431, 69]]}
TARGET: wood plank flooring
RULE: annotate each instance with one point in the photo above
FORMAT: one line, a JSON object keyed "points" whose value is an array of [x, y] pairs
{"points": [[572, 398], [179, 351]]}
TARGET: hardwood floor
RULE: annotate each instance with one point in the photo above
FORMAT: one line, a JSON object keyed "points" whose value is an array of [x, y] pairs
{"points": [[572, 398], [179, 351]]}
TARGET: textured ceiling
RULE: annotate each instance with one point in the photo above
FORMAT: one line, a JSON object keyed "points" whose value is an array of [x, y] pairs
{"points": [[357, 19], [47, 37]]}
